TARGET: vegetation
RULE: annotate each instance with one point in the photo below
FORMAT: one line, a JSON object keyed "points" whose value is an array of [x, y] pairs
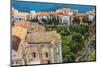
{"points": [[92, 57], [73, 38], [85, 20], [34, 19], [54, 20], [76, 20]]}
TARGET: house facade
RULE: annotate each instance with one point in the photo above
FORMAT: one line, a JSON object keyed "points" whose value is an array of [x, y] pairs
{"points": [[81, 17], [91, 15], [66, 19], [18, 16], [65, 15]]}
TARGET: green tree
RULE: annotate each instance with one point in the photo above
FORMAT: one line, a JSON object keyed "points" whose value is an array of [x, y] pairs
{"points": [[92, 57], [35, 19], [76, 20], [85, 19], [52, 20], [77, 42], [44, 21]]}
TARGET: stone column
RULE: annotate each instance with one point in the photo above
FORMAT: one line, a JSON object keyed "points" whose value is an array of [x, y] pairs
{"points": [[51, 55], [60, 53]]}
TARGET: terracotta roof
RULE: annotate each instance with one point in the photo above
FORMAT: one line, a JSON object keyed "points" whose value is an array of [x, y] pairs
{"points": [[25, 24], [45, 13], [80, 14]]}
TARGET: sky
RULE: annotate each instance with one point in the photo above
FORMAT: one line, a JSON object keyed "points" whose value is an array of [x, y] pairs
{"points": [[25, 6]]}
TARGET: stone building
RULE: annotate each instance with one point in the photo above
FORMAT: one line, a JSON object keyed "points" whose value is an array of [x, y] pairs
{"points": [[91, 15], [81, 16], [15, 44], [18, 38], [36, 46], [18, 16], [43, 47], [66, 19], [67, 11]]}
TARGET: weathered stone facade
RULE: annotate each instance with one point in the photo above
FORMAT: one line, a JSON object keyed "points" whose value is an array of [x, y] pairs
{"points": [[36, 47]]}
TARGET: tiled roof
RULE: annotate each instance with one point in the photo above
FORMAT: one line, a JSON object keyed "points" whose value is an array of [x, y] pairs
{"points": [[45, 13], [25, 24], [80, 14]]}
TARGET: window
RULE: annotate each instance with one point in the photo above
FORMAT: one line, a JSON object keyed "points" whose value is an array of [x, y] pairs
{"points": [[34, 54], [46, 54]]}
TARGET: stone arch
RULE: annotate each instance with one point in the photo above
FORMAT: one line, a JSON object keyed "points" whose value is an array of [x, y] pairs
{"points": [[15, 42]]}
